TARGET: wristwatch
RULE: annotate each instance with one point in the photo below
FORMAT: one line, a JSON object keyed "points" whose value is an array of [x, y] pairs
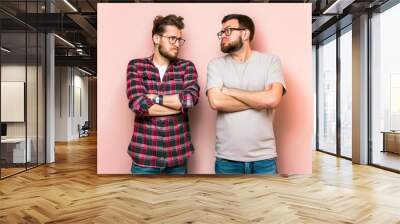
{"points": [[158, 99]]}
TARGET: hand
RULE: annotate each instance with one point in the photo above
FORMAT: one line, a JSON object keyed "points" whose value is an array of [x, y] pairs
{"points": [[228, 91], [151, 96], [268, 87], [225, 90]]}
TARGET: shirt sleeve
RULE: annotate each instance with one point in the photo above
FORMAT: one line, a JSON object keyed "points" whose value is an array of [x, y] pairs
{"points": [[275, 75], [214, 79], [189, 96], [136, 91]]}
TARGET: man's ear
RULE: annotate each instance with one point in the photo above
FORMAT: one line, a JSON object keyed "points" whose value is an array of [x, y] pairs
{"points": [[246, 34], [156, 39]]}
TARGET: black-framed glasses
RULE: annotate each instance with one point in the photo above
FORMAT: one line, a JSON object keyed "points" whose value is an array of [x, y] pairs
{"points": [[227, 31], [174, 39]]}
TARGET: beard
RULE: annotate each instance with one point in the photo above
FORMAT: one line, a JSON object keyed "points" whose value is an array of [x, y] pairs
{"points": [[232, 47], [167, 54]]}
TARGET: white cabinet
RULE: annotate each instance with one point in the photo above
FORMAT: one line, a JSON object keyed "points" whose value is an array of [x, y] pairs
{"points": [[18, 149]]}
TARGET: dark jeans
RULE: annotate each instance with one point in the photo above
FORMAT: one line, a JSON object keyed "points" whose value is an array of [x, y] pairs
{"points": [[135, 169], [224, 166]]}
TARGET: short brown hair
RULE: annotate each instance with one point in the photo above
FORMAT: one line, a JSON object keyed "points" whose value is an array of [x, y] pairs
{"points": [[244, 22], [160, 22]]}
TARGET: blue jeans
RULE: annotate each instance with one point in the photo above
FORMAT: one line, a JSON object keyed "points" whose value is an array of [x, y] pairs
{"points": [[224, 166], [135, 169]]}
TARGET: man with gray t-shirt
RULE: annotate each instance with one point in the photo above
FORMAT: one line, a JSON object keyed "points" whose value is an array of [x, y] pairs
{"points": [[244, 86]]}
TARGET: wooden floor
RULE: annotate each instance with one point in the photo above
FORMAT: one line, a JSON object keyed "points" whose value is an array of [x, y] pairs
{"points": [[70, 191], [5, 172]]}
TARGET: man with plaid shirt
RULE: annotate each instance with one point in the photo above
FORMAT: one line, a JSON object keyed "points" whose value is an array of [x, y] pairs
{"points": [[160, 89]]}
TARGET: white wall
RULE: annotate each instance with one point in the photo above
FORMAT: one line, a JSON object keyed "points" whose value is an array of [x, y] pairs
{"points": [[80, 84], [70, 83], [14, 73], [62, 81]]}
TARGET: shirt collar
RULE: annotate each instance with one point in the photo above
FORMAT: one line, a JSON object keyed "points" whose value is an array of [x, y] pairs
{"points": [[150, 59]]}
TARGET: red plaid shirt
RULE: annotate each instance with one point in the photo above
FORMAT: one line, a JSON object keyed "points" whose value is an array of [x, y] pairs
{"points": [[161, 141]]}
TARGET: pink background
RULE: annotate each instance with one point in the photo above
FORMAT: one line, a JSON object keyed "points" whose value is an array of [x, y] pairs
{"points": [[124, 33]]}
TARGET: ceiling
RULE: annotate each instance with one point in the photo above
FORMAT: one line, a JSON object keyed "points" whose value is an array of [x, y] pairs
{"points": [[76, 22]]}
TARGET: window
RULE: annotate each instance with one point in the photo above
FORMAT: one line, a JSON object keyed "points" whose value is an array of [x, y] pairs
{"points": [[22, 77], [327, 96], [385, 89], [346, 93]]}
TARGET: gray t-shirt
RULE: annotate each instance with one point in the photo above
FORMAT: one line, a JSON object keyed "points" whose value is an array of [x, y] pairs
{"points": [[246, 135]]}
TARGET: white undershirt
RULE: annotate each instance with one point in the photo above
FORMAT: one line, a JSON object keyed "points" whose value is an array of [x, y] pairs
{"points": [[161, 70]]}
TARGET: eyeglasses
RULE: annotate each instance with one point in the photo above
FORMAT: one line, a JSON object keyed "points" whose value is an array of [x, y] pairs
{"points": [[173, 39], [227, 31]]}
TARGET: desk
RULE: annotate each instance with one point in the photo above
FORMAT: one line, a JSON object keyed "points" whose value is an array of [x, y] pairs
{"points": [[15, 148], [391, 141]]}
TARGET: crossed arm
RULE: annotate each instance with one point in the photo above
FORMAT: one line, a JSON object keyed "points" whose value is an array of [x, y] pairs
{"points": [[140, 101], [234, 100], [171, 105]]}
